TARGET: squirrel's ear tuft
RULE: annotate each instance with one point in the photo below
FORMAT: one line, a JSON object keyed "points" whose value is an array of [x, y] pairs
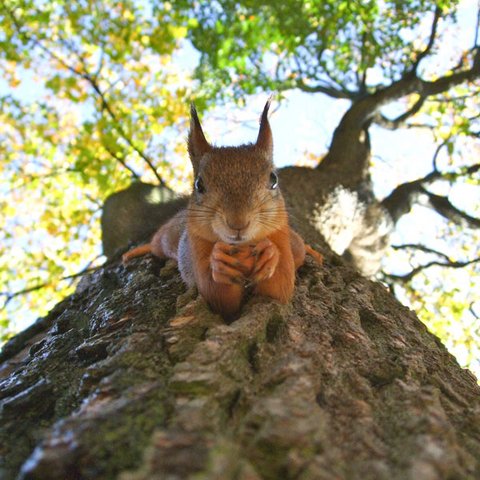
{"points": [[265, 138], [197, 143]]}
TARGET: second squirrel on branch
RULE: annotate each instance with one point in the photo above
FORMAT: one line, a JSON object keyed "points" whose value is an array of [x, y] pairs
{"points": [[234, 233]]}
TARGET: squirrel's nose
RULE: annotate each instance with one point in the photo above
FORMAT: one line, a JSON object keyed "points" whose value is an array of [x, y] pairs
{"points": [[237, 225]]}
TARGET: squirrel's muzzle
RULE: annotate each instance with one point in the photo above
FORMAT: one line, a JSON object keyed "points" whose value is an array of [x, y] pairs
{"points": [[239, 226]]}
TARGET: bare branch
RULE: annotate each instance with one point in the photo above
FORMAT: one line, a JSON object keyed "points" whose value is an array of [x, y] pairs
{"points": [[327, 88], [9, 296], [122, 161], [444, 207], [393, 124], [470, 94], [399, 202], [433, 33], [361, 71], [330, 91], [451, 264], [365, 109], [422, 248], [443, 84], [119, 128], [333, 88], [437, 153], [419, 125]]}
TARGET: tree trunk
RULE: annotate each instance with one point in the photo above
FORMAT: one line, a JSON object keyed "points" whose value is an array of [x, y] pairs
{"points": [[134, 378]]}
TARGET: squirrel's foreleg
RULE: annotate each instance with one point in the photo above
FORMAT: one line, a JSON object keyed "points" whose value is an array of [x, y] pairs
{"points": [[164, 243], [218, 277], [275, 270], [137, 252], [300, 249]]}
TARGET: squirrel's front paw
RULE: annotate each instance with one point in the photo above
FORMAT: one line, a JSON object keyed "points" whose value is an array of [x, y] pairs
{"points": [[267, 254], [231, 264]]}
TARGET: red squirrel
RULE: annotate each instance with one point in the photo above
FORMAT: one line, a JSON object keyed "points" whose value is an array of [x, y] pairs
{"points": [[234, 231]]}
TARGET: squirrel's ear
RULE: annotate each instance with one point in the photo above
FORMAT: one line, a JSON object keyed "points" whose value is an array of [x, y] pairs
{"points": [[265, 138], [197, 143]]}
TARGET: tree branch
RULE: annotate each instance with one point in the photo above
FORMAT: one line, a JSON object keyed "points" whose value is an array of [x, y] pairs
{"points": [[365, 109], [9, 296], [401, 199], [445, 83], [450, 264], [332, 88], [122, 161], [471, 308], [118, 127], [422, 248], [444, 207], [347, 144], [437, 153], [393, 124], [433, 33], [330, 91], [361, 75]]}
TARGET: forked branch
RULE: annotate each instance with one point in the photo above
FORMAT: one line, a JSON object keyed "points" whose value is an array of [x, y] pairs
{"points": [[402, 198]]}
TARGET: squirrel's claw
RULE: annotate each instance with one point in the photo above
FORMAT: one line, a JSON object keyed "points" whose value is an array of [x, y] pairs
{"points": [[226, 268], [223, 273], [268, 256], [233, 261]]}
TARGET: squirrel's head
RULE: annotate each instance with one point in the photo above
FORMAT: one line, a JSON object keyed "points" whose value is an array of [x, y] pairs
{"points": [[236, 197]]}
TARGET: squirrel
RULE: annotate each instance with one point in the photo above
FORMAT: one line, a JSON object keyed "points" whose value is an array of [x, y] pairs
{"points": [[234, 232]]}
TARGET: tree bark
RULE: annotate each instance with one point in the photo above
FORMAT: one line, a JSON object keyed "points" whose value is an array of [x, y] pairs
{"points": [[132, 377]]}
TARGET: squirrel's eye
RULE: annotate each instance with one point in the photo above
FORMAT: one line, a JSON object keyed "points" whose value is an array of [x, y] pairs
{"points": [[273, 181], [199, 186]]}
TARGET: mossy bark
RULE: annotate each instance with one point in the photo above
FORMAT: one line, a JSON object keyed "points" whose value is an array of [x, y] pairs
{"points": [[133, 377]]}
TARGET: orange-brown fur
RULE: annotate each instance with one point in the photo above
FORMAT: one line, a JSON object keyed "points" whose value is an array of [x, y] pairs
{"points": [[235, 231]]}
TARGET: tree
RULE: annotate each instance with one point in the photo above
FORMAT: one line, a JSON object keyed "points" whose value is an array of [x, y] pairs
{"points": [[394, 62], [102, 112], [133, 376]]}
